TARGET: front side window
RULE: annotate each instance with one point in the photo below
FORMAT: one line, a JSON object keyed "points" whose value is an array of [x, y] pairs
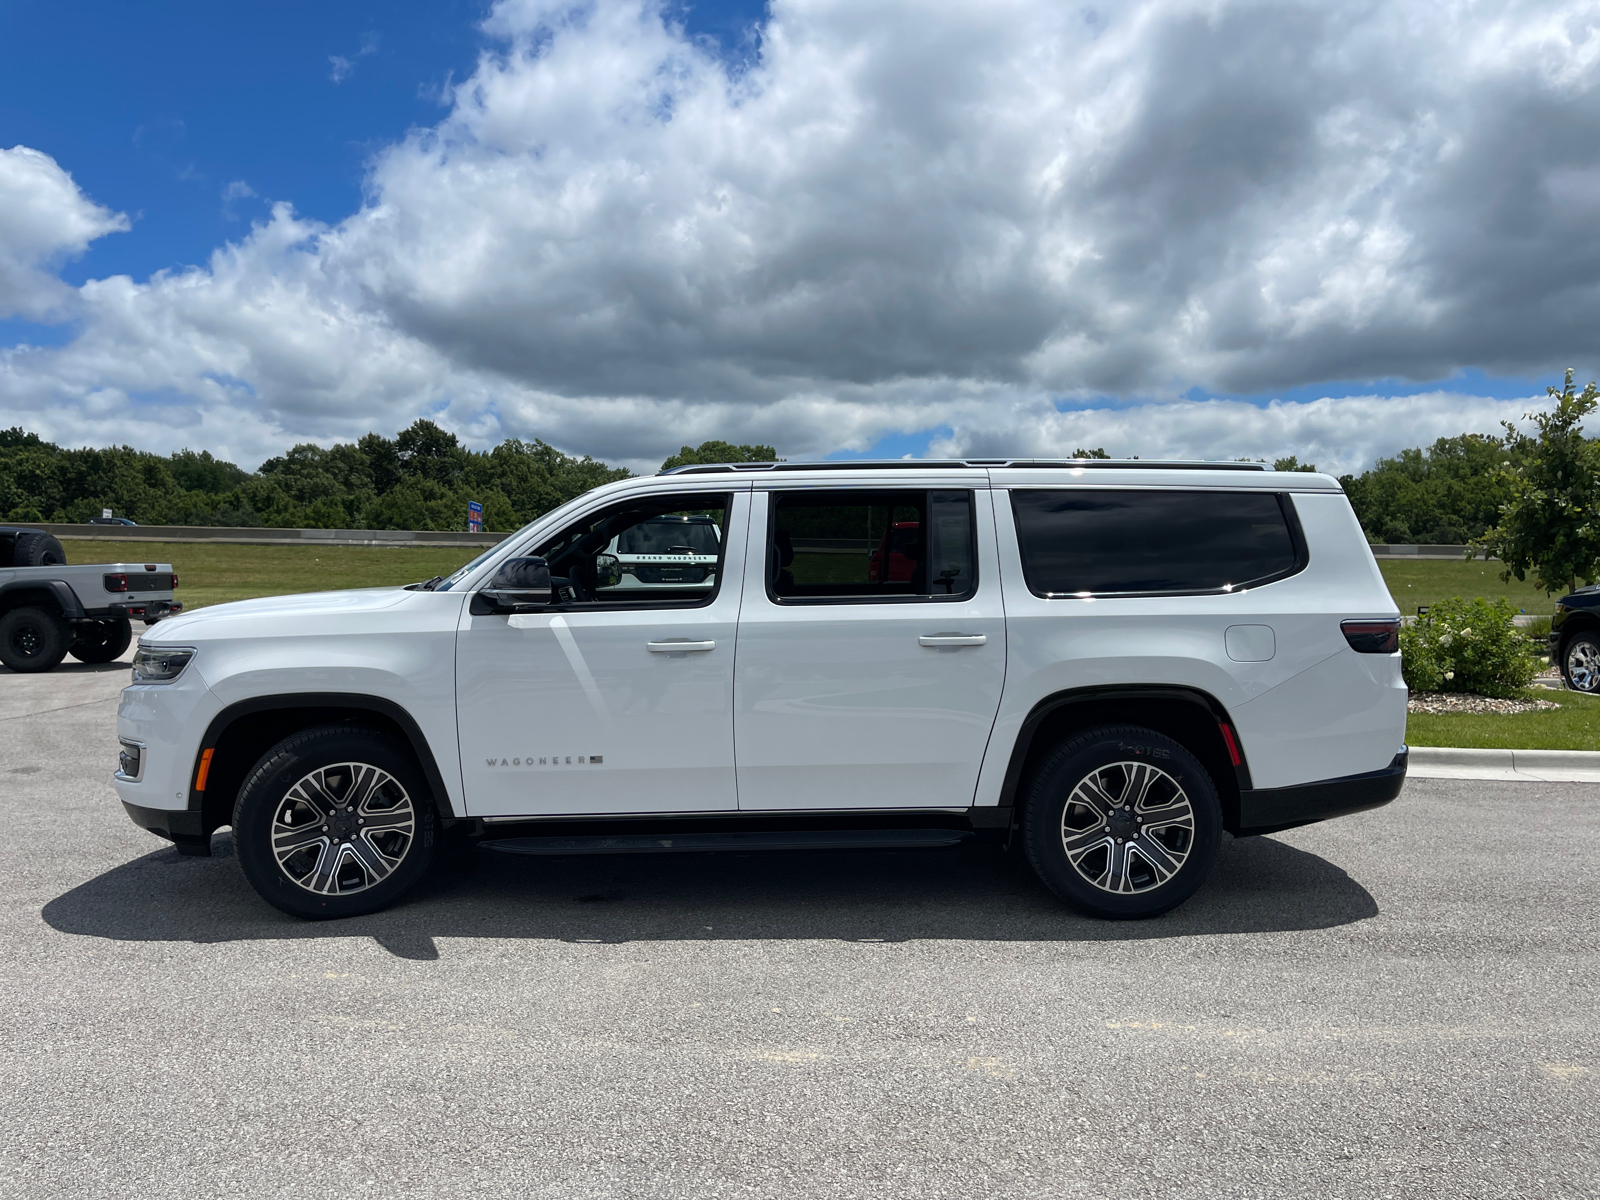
{"points": [[830, 546], [1093, 542], [650, 551]]}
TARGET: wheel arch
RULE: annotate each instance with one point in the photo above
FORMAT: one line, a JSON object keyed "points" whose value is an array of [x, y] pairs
{"points": [[1193, 718], [1580, 620], [50, 593], [242, 732]]}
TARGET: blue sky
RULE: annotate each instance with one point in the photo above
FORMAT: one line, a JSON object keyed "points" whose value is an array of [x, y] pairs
{"points": [[156, 108], [887, 310]]}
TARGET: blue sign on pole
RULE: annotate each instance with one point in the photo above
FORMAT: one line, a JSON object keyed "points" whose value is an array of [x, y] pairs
{"points": [[474, 517]]}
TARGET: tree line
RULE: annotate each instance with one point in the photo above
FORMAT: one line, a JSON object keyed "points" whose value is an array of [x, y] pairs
{"points": [[422, 478]]}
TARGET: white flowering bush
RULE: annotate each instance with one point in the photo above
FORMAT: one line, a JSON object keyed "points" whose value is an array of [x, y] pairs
{"points": [[1467, 646]]}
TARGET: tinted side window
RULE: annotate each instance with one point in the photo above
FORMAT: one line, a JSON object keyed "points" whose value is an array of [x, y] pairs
{"points": [[650, 551], [1107, 542], [831, 545]]}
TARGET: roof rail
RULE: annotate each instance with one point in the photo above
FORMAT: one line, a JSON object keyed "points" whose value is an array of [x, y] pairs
{"points": [[1099, 464]]}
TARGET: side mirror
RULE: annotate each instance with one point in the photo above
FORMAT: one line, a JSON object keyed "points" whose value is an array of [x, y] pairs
{"points": [[607, 570], [519, 585]]}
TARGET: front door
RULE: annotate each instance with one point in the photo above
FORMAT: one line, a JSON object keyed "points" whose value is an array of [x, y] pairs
{"points": [[871, 649], [619, 699]]}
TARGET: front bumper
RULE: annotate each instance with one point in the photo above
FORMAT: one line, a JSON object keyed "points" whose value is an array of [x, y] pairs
{"points": [[1268, 810], [182, 827]]}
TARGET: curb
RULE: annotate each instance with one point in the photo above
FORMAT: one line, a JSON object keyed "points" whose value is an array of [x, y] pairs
{"points": [[1540, 766]]}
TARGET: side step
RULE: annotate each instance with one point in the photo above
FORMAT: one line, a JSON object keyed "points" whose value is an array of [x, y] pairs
{"points": [[678, 843]]}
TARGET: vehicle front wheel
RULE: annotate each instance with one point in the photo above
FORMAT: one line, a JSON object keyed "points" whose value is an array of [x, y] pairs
{"points": [[1580, 662], [33, 639], [1122, 822], [334, 822], [101, 641]]}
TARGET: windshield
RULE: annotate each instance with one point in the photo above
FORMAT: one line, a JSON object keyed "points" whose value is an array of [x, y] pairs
{"points": [[462, 572], [669, 537]]}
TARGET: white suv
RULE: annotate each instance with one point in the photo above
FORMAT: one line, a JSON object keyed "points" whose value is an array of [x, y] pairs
{"points": [[1113, 662]]}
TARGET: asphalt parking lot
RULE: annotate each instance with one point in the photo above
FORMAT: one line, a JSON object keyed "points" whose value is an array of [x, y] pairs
{"points": [[1402, 1003]]}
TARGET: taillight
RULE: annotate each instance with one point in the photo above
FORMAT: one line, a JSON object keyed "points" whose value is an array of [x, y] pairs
{"points": [[1372, 637], [174, 581], [116, 583]]}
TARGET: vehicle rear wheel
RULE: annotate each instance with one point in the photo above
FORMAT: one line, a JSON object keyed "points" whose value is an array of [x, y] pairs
{"points": [[1122, 822], [1580, 662], [33, 639], [334, 822], [37, 549], [101, 641]]}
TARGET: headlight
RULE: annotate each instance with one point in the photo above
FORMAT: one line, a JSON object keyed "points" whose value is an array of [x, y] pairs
{"points": [[160, 664]]}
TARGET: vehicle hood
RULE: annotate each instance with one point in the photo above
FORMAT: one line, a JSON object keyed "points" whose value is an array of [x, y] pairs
{"points": [[266, 608]]}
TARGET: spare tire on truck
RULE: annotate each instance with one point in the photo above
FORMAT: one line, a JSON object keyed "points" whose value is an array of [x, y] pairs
{"points": [[36, 548]]}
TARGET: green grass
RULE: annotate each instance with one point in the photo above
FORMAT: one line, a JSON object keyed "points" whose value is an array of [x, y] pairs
{"points": [[1574, 726], [216, 572], [1428, 581]]}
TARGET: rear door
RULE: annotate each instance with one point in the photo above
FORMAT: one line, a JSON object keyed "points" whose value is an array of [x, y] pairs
{"points": [[871, 648]]}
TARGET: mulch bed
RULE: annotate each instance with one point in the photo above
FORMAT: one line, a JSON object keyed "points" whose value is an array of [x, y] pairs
{"points": [[1468, 702]]}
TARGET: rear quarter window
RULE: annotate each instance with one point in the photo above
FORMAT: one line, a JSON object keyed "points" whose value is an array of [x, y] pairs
{"points": [[1127, 542]]}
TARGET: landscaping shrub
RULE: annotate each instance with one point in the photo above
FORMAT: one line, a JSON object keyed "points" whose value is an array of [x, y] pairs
{"points": [[1467, 646]]}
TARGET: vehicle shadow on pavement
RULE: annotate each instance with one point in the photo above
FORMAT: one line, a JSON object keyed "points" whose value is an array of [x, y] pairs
{"points": [[973, 892]]}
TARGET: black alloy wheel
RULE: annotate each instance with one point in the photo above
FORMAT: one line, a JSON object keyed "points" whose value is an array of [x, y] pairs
{"points": [[334, 822], [33, 639], [101, 641], [1122, 822]]}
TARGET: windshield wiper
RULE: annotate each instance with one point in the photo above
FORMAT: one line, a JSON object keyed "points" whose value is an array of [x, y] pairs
{"points": [[426, 586]]}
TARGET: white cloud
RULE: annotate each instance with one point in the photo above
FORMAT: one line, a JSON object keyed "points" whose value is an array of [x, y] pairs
{"points": [[44, 219], [1338, 434], [911, 215], [341, 67]]}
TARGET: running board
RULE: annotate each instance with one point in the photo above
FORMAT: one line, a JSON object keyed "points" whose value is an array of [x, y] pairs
{"points": [[678, 843]]}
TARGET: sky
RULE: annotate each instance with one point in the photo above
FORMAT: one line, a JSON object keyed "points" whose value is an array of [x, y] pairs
{"points": [[1169, 229]]}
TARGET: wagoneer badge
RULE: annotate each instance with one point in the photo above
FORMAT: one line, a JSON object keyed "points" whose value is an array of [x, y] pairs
{"points": [[550, 760]]}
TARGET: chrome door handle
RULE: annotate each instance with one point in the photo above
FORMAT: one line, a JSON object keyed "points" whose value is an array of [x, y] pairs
{"points": [[678, 647], [940, 641]]}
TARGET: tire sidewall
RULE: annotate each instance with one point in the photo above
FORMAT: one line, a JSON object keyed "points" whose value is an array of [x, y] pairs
{"points": [[1073, 760], [52, 630], [38, 550], [287, 763], [113, 638], [1566, 651]]}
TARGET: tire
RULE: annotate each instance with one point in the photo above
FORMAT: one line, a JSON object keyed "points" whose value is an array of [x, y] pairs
{"points": [[352, 864], [101, 641], [1118, 864], [37, 549], [1580, 662], [33, 639]]}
